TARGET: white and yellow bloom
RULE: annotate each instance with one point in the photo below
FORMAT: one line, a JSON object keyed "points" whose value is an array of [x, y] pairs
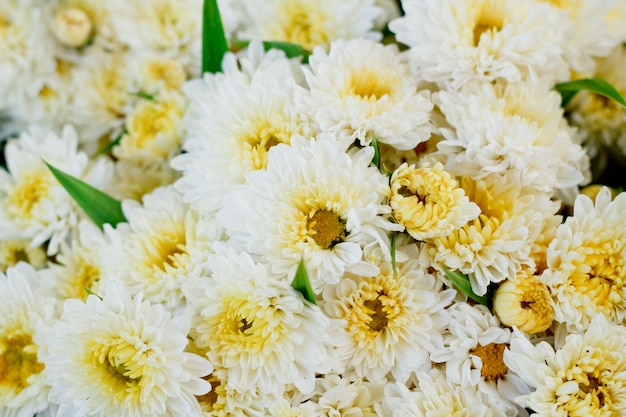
{"points": [[361, 90], [25, 309], [584, 377], [585, 262], [122, 356], [313, 202], [257, 328]]}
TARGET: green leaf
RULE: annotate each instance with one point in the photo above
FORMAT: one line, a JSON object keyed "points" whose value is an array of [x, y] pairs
{"points": [[462, 283], [393, 254], [143, 95], [595, 85], [109, 146], [302, 284], [214, 44], [376, 159], [100, 207], [291, 50]]}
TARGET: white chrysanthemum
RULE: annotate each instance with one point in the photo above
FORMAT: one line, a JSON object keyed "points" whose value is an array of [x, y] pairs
{"points": [[453, 42], [164, 244], [584, 377], [435, 396], [257, 327], [498, 242], [13, 251], [99, 106], [310, 24], [233, 119], [590, 36], [153, 128], [156, 73], [77, 267], [33, 205], [123, 356], [428, 201], [602, 121], [314, 202], [24, 311], [337, 396], [402, 311], [362, 90], [586, 272], [511, 128], [170, 27], [473, 354], [153, 174]]}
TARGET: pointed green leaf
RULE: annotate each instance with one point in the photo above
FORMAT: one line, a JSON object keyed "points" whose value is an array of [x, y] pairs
{"points": [[302, 284], [462, 283], [595, 85], [291, 50], [100, 207], [214, 44], [376, 159], [393, 254]]}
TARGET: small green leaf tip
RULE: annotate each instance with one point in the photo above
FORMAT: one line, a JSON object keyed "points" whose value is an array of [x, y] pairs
{"points": [[100, 207], [462, 283], [376, 158], [302, 284], [214, 44], [595, 85]]}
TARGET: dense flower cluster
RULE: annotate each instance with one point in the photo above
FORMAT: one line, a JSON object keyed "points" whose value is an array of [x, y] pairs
{"points": [[419, 163]]}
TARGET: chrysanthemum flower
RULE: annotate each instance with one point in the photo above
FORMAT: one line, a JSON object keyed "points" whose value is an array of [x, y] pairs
{"points": [[233, 120], [586, 272], [584, 377], [453, 42], [590, 35], [402, 311], [153, 174], [362, 90], [497, 243], [24, 311], [77, 267], [435, 396], [313, 202], [257, 328], [524, 302], [310, 24], [33, 205], [164, 244], [429, 202], [473, 354], [122, 356], [511, 128]]}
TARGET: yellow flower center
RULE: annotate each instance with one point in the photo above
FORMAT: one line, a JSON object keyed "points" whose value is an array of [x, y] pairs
{"points": [[369, 84], [489, 20], [169, 72], [260, 135], [326, 228], [27, 194], [18, 361], [167, 250], [301, 22], [85, 276], [492, 356]]}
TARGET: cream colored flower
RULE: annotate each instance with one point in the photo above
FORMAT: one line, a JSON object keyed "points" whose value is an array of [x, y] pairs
{"points": [[402, 311], [25, 309], [310, 24], [429, 202], [338, 396], [586, 272], [454, 42], [584, 377], [122, 356], [524, 302], [355, 99], [257, 328], [72, 27]]}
